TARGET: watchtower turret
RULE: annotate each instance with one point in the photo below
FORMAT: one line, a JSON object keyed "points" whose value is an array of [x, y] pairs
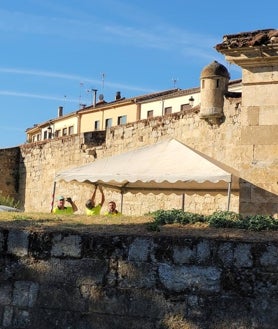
{"points": [[214, 84]]}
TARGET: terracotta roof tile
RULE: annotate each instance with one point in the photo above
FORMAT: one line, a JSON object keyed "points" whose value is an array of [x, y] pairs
{"points": [[248, 39]]}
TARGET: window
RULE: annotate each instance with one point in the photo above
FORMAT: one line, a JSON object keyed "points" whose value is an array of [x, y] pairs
{"points": [[38, 137], [150, 114], [65, 131], [97, 125], [45, 134], [168, 110], [185, 107], [217, 83], [108, 123], [122, 120], [203, 84], [71, 130], [57, 133]]}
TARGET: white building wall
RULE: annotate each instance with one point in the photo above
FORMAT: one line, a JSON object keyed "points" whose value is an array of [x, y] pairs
{"points": [[158, 106]]}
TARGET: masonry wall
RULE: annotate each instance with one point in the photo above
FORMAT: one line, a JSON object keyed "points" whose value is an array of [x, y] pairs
{"points": [[259, 136], [56, 279], [9, 172], [44, 159], [233, 143]]}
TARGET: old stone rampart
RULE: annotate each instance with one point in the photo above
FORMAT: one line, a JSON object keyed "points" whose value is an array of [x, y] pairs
{"points": [[41, 161], [56, 279], [254, 161]]}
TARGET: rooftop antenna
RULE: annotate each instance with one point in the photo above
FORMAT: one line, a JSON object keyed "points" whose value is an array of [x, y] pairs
{"points": [[81, 85], [102, 79], [175, 80]]}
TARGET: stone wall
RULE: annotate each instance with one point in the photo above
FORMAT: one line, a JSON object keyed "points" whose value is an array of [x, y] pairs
{"points": [[56, 279], [228, 143], [44, 159], [9, 172]]}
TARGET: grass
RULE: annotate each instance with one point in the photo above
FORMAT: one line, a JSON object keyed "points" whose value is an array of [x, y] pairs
{"points": [[9, 201], [130, 225], [46, 221]]}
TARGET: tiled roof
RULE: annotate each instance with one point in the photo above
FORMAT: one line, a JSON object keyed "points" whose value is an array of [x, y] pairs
{"points": [[174, 93], [155, 95], [248, 39], [134, 99]]}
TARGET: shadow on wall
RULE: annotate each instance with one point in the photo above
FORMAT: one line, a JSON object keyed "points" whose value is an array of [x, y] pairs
{"points": [[70, 280], [9, 168], [257, 201]]}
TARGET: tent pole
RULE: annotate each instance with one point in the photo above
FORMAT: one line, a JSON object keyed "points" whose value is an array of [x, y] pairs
{"points": [[229, 195], [122, 197], [53, 196], [183, 201]]}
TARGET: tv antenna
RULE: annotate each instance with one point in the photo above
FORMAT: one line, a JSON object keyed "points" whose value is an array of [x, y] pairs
{"points": [[175, 80], [102, 79], [81, 85]]}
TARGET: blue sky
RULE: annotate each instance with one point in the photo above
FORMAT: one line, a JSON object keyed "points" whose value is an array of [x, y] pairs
{"points": [[54, 52]]}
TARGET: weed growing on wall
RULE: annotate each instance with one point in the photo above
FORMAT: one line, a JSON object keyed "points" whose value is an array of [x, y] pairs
{"points": [[9, 201]]}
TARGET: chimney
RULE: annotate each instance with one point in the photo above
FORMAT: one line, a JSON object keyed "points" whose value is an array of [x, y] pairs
{"points": [[118, 96], [60, 111]]}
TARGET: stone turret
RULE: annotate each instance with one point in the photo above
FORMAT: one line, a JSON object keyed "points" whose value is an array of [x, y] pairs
{"points": [[214, 84]]}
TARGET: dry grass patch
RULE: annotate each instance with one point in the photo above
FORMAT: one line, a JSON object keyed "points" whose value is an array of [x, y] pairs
{"points": [[132, 225], [81, 223]]}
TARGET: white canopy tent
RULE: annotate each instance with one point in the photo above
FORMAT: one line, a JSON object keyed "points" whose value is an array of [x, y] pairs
{"points": [[165, 167]]}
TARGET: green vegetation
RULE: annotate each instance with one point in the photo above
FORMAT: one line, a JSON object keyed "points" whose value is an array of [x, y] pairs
{"points": [[9, 201], [219, 219]]}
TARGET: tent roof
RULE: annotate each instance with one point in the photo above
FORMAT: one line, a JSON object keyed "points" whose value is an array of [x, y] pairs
{"points": [[165, 167]]}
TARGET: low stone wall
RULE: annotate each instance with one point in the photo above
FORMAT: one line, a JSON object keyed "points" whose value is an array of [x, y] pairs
{"points": [[82, 280]]}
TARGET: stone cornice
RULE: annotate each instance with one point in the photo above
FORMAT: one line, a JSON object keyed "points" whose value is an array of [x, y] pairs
{"points": [[251, 49], [252, 56]]}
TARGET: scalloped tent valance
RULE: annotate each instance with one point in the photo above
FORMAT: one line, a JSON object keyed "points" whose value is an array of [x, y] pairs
{"points": [[165, 167]]}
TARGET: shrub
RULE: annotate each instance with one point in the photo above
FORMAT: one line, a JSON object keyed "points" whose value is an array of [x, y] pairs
{"points": [[219, 219]]}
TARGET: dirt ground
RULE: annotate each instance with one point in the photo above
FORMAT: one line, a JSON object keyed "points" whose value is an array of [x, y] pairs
{"points": [[123, 225]]}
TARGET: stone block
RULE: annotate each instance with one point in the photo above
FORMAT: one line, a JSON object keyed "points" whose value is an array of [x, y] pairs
{"points": [[195, 278], [18, 243], [61, 297], [253, 115], [21, 318], [70, 271], [66, 246], [242, 255], [5, 293], [268, 115], [225, 254], [136, 274], [25, 294], [269, 258], [128, 302], [140, 249], [203, 252], [260, 135], [7, 316], [184, 254]]}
